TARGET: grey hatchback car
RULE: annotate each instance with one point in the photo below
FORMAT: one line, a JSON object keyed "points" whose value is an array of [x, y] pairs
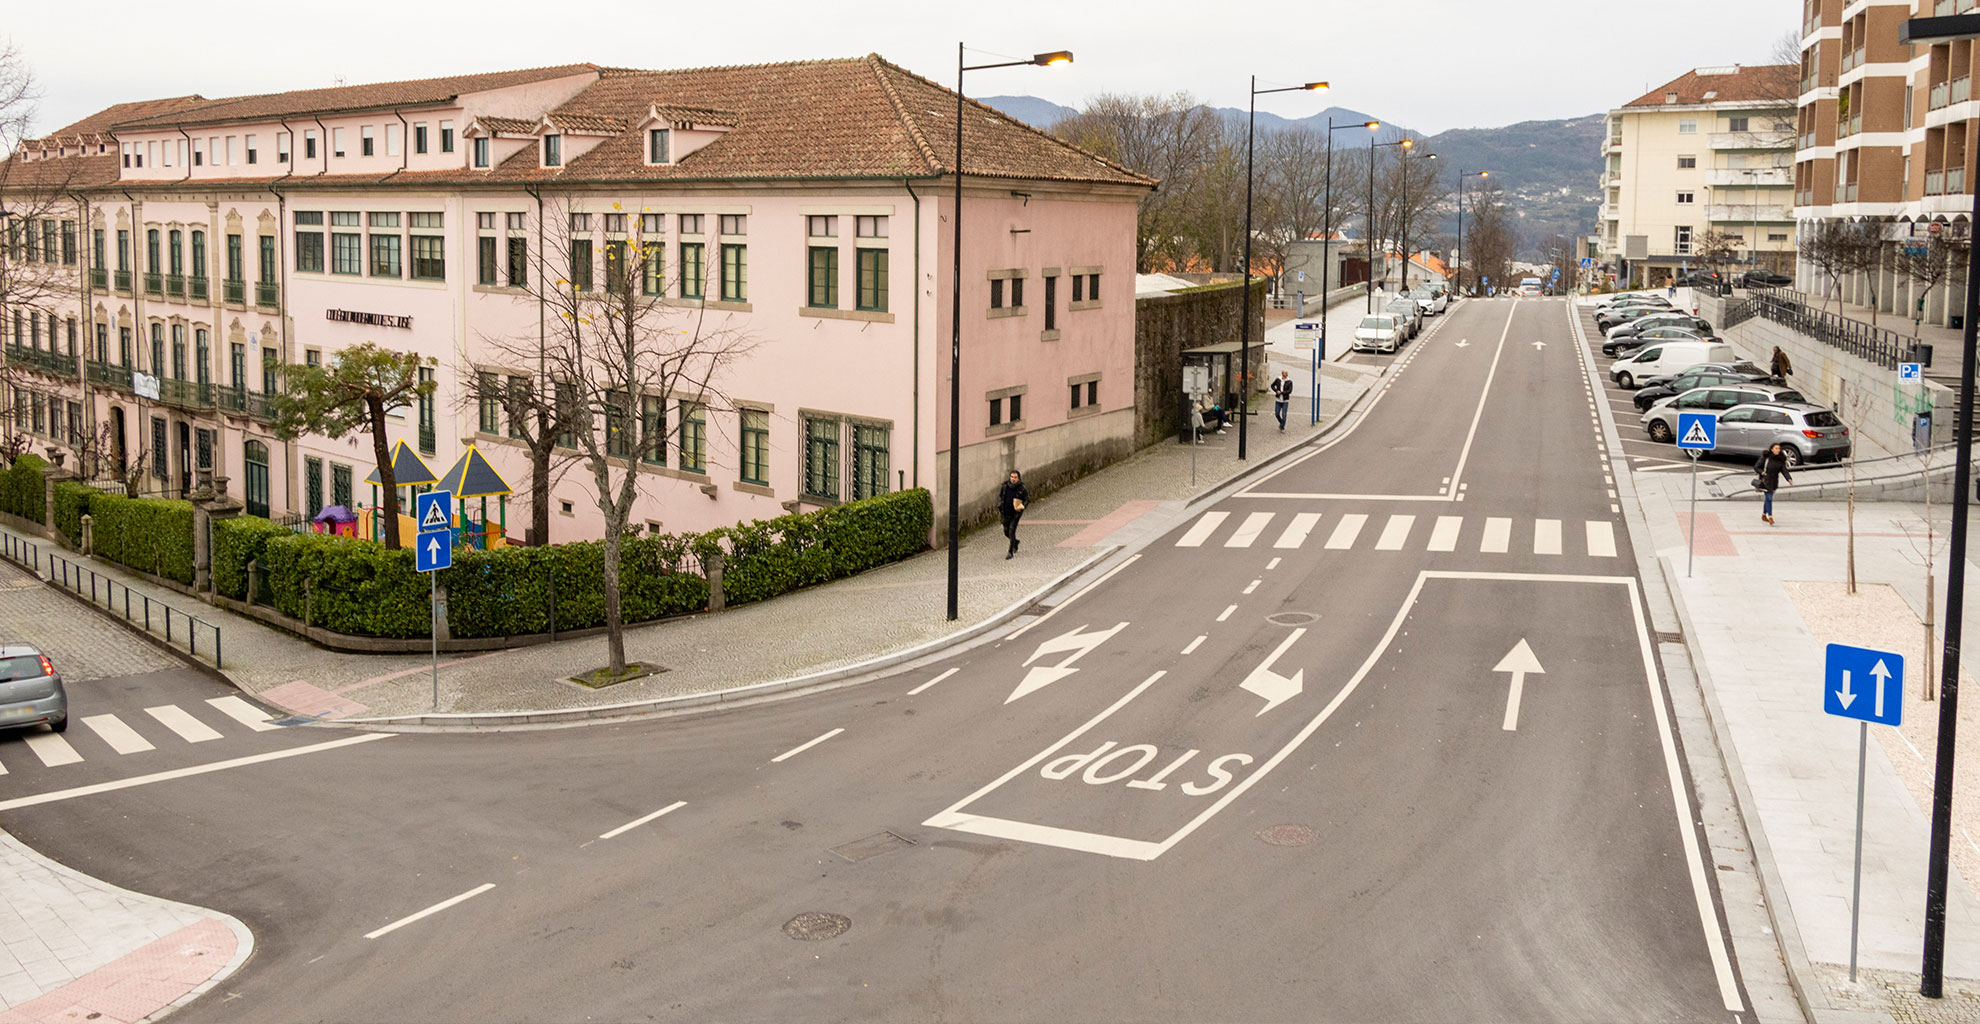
{"points": [[1806, 433], [31, 690], [1660, 420]]}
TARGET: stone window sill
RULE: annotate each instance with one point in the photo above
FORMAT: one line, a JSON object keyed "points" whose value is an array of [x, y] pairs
{"points": [[998, 429], [1052, 335], [829, 313], [1006, 311], [749, 488], [1084, 304]]}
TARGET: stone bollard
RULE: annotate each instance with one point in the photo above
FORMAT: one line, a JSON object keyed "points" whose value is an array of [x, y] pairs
{"points": [[441, 625], [88, 533], [712, 564], [254, 581]]}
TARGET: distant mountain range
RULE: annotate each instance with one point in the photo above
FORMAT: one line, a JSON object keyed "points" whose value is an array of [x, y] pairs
{"points": [[1547, 169]]}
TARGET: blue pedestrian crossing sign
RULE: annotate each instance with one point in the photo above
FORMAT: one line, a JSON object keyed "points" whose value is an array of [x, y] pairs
{"points": [[432, 510], [1698, 431], [1908, 371], [1863, 684], [434, 551]]}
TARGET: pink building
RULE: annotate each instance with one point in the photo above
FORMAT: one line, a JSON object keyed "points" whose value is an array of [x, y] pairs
{"points": [[804, 207]]}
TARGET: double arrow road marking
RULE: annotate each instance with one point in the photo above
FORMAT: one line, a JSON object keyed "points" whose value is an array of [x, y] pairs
{"points": [[1077, 642]]}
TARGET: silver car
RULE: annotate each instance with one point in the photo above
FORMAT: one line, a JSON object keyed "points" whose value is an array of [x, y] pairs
{"points": [[1660, 421], [31, 690], [1806, 433], [1408, 313]]}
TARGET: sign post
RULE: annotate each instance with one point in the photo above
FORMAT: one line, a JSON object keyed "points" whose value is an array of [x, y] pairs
{"points": [[1697, 432], [1196, 384], [433, 551], [1843, 670], [1312, 336]]}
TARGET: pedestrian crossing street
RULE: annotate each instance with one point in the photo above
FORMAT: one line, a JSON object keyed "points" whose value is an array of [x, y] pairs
{"points": [[160, 724], [1491, 535]]}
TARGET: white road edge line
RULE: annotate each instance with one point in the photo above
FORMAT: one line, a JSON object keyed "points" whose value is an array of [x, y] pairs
{"points": [[802, 747], [434, 909], [1083, 591], [933, 681], [181, 773], [637, 822]]}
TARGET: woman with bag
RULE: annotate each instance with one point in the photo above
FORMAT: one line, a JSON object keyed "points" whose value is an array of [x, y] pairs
{"points": [[1010, 507], [1768, 473]]}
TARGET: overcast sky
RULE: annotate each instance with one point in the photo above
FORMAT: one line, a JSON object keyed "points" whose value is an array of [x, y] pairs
{"points": [[1426, 64]]}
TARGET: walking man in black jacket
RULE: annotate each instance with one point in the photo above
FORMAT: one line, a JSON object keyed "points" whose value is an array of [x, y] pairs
{"points": [[1011, 499]]}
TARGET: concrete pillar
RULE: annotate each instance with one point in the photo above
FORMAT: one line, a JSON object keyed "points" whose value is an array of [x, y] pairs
{"points": [[50, 476], [206, 509], [712, 565]]}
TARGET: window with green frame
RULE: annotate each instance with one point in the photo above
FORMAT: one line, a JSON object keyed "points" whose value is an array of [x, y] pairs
{"points": [[653, 269], [484, 264], [821, 457], [340, 485], [824, 277], [653, 429], [694, 437], [313, 483], [488, 402], [518, 392], [518, 261], [873, 279], [616, 280], [429, 258], [694, 270], [735, 273], [580, 272], [385, 255], [756, 447], [869, 459], [618, 438], [346, 253], [567, 415]]}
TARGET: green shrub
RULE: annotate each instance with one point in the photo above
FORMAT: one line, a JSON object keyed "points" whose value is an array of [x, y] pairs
{"points": [[348, 585], [236, 542], [508, 592], [71, 504], [767, 558], [151, 535], [21, 489]]}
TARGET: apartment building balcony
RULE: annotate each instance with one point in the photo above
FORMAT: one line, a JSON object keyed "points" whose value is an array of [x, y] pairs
{"points": [[1748, 213], [1612, 144], [185, 394], [154, 284], [267, 294], [41, 360], [196, 289], [1845, 129], [234, 292], [254, 404], [1805, 197], [1751, 140], [108, 375], [1950, 182], [1854, 58], [124, 281], [1943, 8], [175, 285], [1846, 193], [1748, 177], [99, 279]]}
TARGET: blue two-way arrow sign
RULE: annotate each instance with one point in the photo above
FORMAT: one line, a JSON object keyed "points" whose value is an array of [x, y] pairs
{"points": [[1863, 684]]}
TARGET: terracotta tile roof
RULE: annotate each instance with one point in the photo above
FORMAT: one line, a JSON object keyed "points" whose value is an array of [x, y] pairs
{"points": [[96, 126], [60, 173], [506, 125], [351, 97], [1730, 84], [587, 123], [698, 115]]}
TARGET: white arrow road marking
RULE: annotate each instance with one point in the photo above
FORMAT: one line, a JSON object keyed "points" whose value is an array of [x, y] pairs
{"points": [[1519, 661], [1883, 676], [1538, 345], [1464, 343], [1077, 642], [1275, 688], [1848, 693]]}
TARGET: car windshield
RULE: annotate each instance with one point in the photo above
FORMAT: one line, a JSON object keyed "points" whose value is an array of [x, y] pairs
{"points": [[19, 666], [1380, 322], [1822, 418]]}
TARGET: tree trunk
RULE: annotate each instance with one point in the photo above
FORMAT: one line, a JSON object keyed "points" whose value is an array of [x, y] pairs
{"points": [[615, 629], [386, 478], [539, 497]]}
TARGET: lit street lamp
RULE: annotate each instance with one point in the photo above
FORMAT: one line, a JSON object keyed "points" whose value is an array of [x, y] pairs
{"points": [[1244, 292], [1406, 143], [1327, 243], [1459, 269], [955, 320]]}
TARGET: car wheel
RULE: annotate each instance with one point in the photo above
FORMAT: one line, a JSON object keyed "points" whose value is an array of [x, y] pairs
{"points": [[59, 725], [1625, 381], [1793, 455], [1660, 431]]}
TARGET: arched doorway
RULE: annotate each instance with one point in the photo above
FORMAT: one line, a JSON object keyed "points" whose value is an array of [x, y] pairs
{"points": [[117, 439], [256, 455]]}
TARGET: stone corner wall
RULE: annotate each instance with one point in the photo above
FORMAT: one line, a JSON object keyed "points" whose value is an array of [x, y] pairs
{"points": [[1165, 325]]}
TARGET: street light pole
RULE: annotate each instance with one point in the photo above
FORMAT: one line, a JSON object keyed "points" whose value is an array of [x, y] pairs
{"points": [[1459, 269], [1244, 291], [1405, 142], [1327, 241], [955, 320]]}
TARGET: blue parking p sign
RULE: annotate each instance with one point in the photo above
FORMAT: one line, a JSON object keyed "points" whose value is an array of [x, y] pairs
{"points": [[1698, 431], [1908, 371], [1863, 684]]}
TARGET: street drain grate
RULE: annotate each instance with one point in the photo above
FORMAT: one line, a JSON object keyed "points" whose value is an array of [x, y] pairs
{"points": [[816, 925], [1292, 619], [872, 846], [1664, 637], [1287, 835]]}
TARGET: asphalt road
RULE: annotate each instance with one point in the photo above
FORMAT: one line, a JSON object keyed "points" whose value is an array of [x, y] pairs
{"points": [[1381, 736]]}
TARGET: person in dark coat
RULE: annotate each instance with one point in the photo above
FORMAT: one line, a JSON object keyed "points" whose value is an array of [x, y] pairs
{"points": [[1780, 367], [1770, 471], [1282, 389], [1011, 499]]}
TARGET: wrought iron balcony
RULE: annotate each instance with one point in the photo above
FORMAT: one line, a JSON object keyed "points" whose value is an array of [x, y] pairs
{"points": [[42, 360], [426, 438], [240, 400], [235, 292], [99, 278], [124, 281], [154, 283], [109, 375], [175, 285], [267, 294], [196, 289], [185, 394]]}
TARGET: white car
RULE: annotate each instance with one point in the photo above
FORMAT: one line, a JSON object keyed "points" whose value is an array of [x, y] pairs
{"points": [[1378, 333], [1431, 300]]}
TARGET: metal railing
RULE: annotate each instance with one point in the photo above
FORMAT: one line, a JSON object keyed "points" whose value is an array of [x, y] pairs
{"points": [[196, 288], [234, 291], [267, 293], [1795, 311], [123, 281], [21, 552], [175, 285], [241, 400], [185, 394], [1738, 313], [135, 607], [42, 360], [99, 278], [154, 283], [108, 374]]}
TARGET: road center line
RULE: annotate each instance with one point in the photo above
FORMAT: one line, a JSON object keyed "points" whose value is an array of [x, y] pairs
{"points": [[1083, 591], [637, 822], [1464, 454], [1194, 644], [181, 773], [933, 681], [1227, 613], [802, 747], [430, 911], [1253, 585]]}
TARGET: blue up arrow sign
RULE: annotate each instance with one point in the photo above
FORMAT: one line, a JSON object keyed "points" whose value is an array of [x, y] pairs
{"points": [[1863, 684]]}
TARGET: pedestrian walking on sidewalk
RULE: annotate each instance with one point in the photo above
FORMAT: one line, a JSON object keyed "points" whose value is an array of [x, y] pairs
{"points": [[1769, 472], [1282, 397], [1780, 367], [1011, 499], [1671, 289]]}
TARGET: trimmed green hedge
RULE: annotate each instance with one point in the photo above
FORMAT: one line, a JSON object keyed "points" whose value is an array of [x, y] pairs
{"points": [[21, 489], [507, 592], [71, 504], [151, 535], [236, 542], [767, 558], [350, 586]]}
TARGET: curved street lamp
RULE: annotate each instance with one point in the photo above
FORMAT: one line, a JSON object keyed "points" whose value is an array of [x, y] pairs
{"points": [[1327, 268], [1459, 268], [1244, 292], [1053, 58], [1406, 143]]}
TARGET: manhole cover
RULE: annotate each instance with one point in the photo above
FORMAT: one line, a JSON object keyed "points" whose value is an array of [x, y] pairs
{"points": [[813, 925], [1292, 619], [872, 846], [1287, 835]]}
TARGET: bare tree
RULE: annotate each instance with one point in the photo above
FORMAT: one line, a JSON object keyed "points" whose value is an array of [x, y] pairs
{"points": [[1925, 267], [39, 222], [1171, 138], [1490, 240], [1834, 247], [1715, 250], [610, 347]]}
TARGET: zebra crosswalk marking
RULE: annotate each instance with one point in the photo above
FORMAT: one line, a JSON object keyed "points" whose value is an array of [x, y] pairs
{"points": [[1546, 536], [1498, 536], [243, 712], [1296, 531], [1444, 536], [53, 750], [122, 738], [175, 718], [1395, 533], [1248, 531], [1346, 531], [1202, 530], [1601, 538]]}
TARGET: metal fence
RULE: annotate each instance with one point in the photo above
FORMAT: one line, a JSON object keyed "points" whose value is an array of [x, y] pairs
{"points": [[1791, 309], [179, 627], [1737, 313], [21, 552]]}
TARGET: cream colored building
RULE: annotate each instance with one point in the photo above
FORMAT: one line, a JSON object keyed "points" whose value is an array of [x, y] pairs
{"points": [[1712, 150]]}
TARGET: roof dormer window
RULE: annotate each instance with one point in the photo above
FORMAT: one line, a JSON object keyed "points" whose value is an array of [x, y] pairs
{"points": [[553, 151], [657, 147], [481, 146]]}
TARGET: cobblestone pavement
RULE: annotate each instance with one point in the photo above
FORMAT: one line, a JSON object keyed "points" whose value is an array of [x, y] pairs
{"points": [[82, 646]]}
